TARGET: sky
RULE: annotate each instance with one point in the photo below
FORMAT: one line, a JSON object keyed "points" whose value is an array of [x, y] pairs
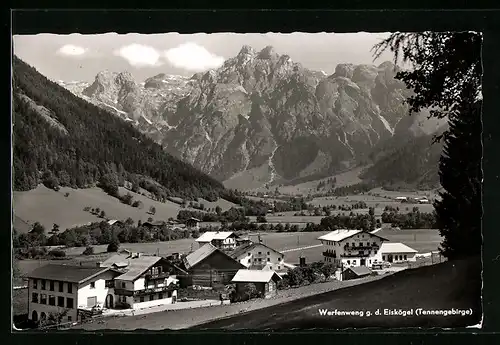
{"points": [[77, 57]]}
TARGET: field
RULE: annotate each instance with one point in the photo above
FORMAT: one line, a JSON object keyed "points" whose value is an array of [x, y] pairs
{"points": [[422, 240], [48, 207]]}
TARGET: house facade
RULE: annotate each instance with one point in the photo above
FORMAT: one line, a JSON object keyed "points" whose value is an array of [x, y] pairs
{"points": [[224, 240], [145, 282], [265, 281], [396, 252], [193, 224], [351, 247], [257, 256], [67, 290], [209, 266]]}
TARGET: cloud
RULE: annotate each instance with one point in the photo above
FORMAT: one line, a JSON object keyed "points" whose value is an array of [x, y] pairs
{"points": [[139, 55], [193, 57], [71, 50]]}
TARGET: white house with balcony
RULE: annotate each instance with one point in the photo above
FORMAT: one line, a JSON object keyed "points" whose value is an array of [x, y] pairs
{"points": [[67, 290], [224, 240], [145, 281], [351, 247]]}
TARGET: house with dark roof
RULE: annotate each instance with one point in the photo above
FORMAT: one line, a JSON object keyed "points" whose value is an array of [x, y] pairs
{"points": [[257, 256], [355, 272], [68, 290], [265, 281], [193, 223], [145, 280], [208, 266]]}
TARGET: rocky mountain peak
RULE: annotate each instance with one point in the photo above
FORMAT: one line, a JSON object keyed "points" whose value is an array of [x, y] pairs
{"points": [[268, 53], [246, 50]]}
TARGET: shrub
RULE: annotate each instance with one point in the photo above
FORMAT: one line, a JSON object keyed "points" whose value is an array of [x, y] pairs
{"points": [[88, 251], [113, 247], [57, 253]]}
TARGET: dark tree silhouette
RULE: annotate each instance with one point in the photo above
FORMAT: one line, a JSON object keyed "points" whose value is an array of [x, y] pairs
{"points": [[446, 78]]}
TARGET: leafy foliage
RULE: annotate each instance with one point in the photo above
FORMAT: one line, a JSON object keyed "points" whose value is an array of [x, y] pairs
{"points": [[96, 144], [446, 78]]}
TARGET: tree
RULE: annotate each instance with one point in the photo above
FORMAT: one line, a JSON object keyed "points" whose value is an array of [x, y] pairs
{"points": [[113, 247], [327, 270], [55, 229], [446, 78], [152, 210], [109, 183], [218, 210], [102, 214], [88, 251]]}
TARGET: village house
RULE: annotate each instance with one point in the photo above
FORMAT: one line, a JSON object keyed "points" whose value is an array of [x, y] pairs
{"points": [[208, 266], [144, 281], [396, 252], [193, 224], [67, 290], [257, 256], [351, 247], [155, 225], [265, 281], [224, 240], [355, 272]]}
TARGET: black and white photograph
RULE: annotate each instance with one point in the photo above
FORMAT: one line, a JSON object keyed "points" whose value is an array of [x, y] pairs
{"points": [[246, 181]]}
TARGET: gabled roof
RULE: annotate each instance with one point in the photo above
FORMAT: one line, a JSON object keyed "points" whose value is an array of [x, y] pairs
{"points": [[340, 235], [113, 221], [138, 266], [199, 255], [359, 270], [194, 219], [240, 251], [155, 223], [67, 273], [214, 235], [254, 276], [396, 248]]}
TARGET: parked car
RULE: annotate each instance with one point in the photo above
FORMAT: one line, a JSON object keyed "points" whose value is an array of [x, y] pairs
{"points": [[386, 264]]}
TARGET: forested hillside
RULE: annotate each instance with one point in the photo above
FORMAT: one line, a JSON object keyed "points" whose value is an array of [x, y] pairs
{"points": [[60, 137]]}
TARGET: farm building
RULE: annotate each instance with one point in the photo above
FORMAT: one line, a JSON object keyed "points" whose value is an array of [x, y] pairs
{"points": [[154, 225], [396, 252], [208, 266], [401, 198], [193, 223], [258, 256], [355, 272], [225, 240], [144, 281], [264, 281], [351, 247], [69, 289]]}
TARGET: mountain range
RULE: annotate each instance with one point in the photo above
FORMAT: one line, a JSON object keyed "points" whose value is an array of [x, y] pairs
{"points": [[263, 115]]}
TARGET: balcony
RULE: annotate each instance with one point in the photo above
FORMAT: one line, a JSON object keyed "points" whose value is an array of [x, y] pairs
{"points": [[355, 255], [162, 275], [124, 292], [369, 247], [329, 254], [149, 291]]}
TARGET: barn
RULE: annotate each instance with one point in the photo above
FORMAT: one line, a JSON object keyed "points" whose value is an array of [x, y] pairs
{"points": [[209, 266], [355, 272], [265, 281]]}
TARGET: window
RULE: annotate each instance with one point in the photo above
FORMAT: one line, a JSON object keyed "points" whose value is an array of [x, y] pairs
{"points": [[52, 300], [279, 267], [123, 285], [268, 253], [92, 285], [169, 294], [109, 283], [151, 297], [51, 285], [34, 297], [268, 259], [401, 257], [361, 252], [361, 244], [354, 262], [141, 299], [160, 296], [348, 262], [353, 244], [42, 284], [35, 284], [61, 286], [70, 287], [374, 243], [60, 301], [260, 253], [249, 260], [383, 257], [260, 259], [43, 298], [248, 254], [370, 261], [69, 302], [69, 318], [405, 257]]}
